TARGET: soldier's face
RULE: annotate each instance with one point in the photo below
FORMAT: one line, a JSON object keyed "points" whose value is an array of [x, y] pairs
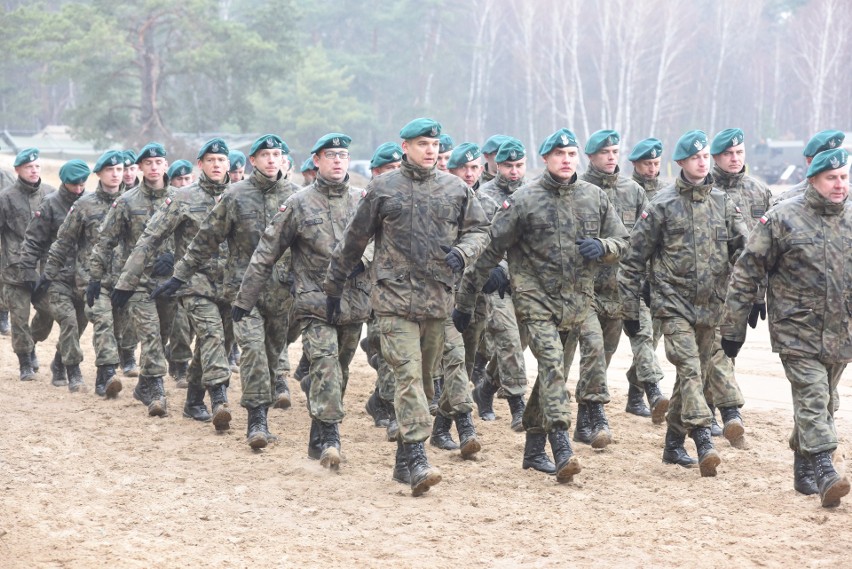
{"points": [[181, 181], [215, 166], [513, 170], [833, 185], [29, 172], [153, 169], [269, 161], [332, 163], [731, 160], [237, 174], [310, 176], [562, 162], [443, 158], [648, 169], [130, 173], [469, 172], [386, 168], [111, 178], [76, 189], [422, 151], [490, 161], [697, 166], [605, 159]]}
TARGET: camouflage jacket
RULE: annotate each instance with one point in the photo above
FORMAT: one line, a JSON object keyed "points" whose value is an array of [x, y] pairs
{"points": [[412, 212], [538, 227], [123, 226], [239, 219], [749, 194], [629, 200], [7, 178], [499, 189], [650, 186], [310, 224], [179, 217], [804, 247], [486, 175], [18, 204], [691, 233], [792, 192], [77, 236]]}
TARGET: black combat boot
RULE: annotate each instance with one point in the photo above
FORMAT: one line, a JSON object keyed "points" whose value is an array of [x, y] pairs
{"points": [[330, 441], [25, 363], [180, 375], [478, 375], [423, 475], [567, 465], [75, 379], [535, 456], [315, 441], [302, 369], [601, 436], [441, 436], [708, 458], [636, 402], [483, 396], [674, 453], [831, 486], [270, 438], [234, 358], [371, 359], [439, 387], [4, 323], [470, 445], [34, 360], [58, 377], [400, 467], [219, 403], [256, 429], [804, 479], [157, 406], [658, 402], [100, 383], [517, 407], [128, 362], [393, 425], [142, 391], [194, 408], [583, 426], [282, 393], [733, 429], [715, 429], [376, 409], [112, 384]]}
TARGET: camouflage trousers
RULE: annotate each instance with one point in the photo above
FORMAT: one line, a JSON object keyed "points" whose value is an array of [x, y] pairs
{"points": [[474, 334], [209, 364], [180, 338], [689, 348], [384, 377], [645, 367], [814, 387], [599, 336], [455, 397], [125, 331], [720, 386], [412, 350], [549, 405], [152, 320], [102, 316], [24, 334], [67, 308], [330, 350]]}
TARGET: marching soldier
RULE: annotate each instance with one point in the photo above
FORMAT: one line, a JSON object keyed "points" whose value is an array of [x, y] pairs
{"points": [[820, 142], [237, 171], [180, 174], [444, 150]]}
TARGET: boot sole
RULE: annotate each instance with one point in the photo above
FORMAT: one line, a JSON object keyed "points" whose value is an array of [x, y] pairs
{"points": [[518, 427], [330, 458], [434, 477], [658, 413], [832, 496], [157, 409], [29, 377], [113, 388], [601, 440], [470, 448], [282, 402], [60, 383], [79, 388], [549, 470], [567, 472], [644, 412], [734, 431], [257, 441], [130, 373], [222, 419], [708, 464], [807, 489]]}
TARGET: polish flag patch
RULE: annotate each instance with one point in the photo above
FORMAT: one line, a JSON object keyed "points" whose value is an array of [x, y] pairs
{"points": [[282, 208], [506, 204], [764, 220], [363, 193], [168, 201], [37, 213], [644, 215]]}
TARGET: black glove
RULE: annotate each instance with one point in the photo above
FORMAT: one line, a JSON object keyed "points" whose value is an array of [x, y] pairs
{"points": [[590, 248], [332, 309], [164, 264], [168, 288], [498, 281], [120, 297], [359, 268], [461, 320], [631, 328], [731, 347], [40, 288], [646, 293], [30, 285], [237, 313], [756, 310], [453, 259], [93, 292]]}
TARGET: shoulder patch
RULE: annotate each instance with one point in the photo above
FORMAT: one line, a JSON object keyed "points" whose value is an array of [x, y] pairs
{"points": [[764, 220], [736, 207], [37, 213], [282, 208], [507, 204], [363, 193], [114, 203], [168, 201], [644, 215]]}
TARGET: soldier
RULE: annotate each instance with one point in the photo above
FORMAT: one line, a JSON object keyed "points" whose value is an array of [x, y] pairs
{"points": [[427, 227], [239, 218], [238, 166], [65, 301], [131, 169], [386, 158], [18, 203], [180, 174], [7, 178], [691, 232], [802, 247], [489, 151], [820, 142], [125, 333], [556, 231], [308, 171], [646, 159], [126, 220], [77, 236], [445, 148]]}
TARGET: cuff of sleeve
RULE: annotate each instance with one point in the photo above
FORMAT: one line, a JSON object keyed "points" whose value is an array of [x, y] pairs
{"points": [[465, 302], [467, 253], [181, 271], [734, 333], [631, 310]]}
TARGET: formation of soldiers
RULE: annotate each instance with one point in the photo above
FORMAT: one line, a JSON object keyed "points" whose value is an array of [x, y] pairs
{"points": [[457, 262]]}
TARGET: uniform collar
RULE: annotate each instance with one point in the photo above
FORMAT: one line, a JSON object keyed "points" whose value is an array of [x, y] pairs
{"points": [[27, 187], [649, 185], [66, 196], [416, 173], [548, 182], [263, 182], [110, 197], [725, 180], [698, 192], [329, 188], [211, 187], [602, 179], [150, 192], [505, 184], [821, 205]]}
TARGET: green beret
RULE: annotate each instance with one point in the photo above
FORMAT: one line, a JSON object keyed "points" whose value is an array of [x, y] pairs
{"points": [[492, 145], [129, 157], [26, 156], [822, 141], [387, 153], [647, 149], [331, 140], [601, 139], [462, 154], [151, 150], [268, 141], [828, 160], [109, 158], [74, 172], [726, 139], [562, 138], [690, 143], [213, 146], [237, 159], [180, 168], [447, 143], [512, 150], [308, 165], [421, 127]]}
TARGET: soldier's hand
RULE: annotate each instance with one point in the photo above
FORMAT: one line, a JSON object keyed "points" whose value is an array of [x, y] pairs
{"points": [[731, 347], [168, 288], [757, 310], [454, 259], [646, 293], [120, 297], [332, 309], [359, 268], [238, 313], [631, 328], [93, 292], [590, 248], [497, 280], [461, 320], [40, 288], [164, 264]]}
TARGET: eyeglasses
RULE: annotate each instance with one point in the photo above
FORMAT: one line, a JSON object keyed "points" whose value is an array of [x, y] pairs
{"points": [[331, 155]]}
